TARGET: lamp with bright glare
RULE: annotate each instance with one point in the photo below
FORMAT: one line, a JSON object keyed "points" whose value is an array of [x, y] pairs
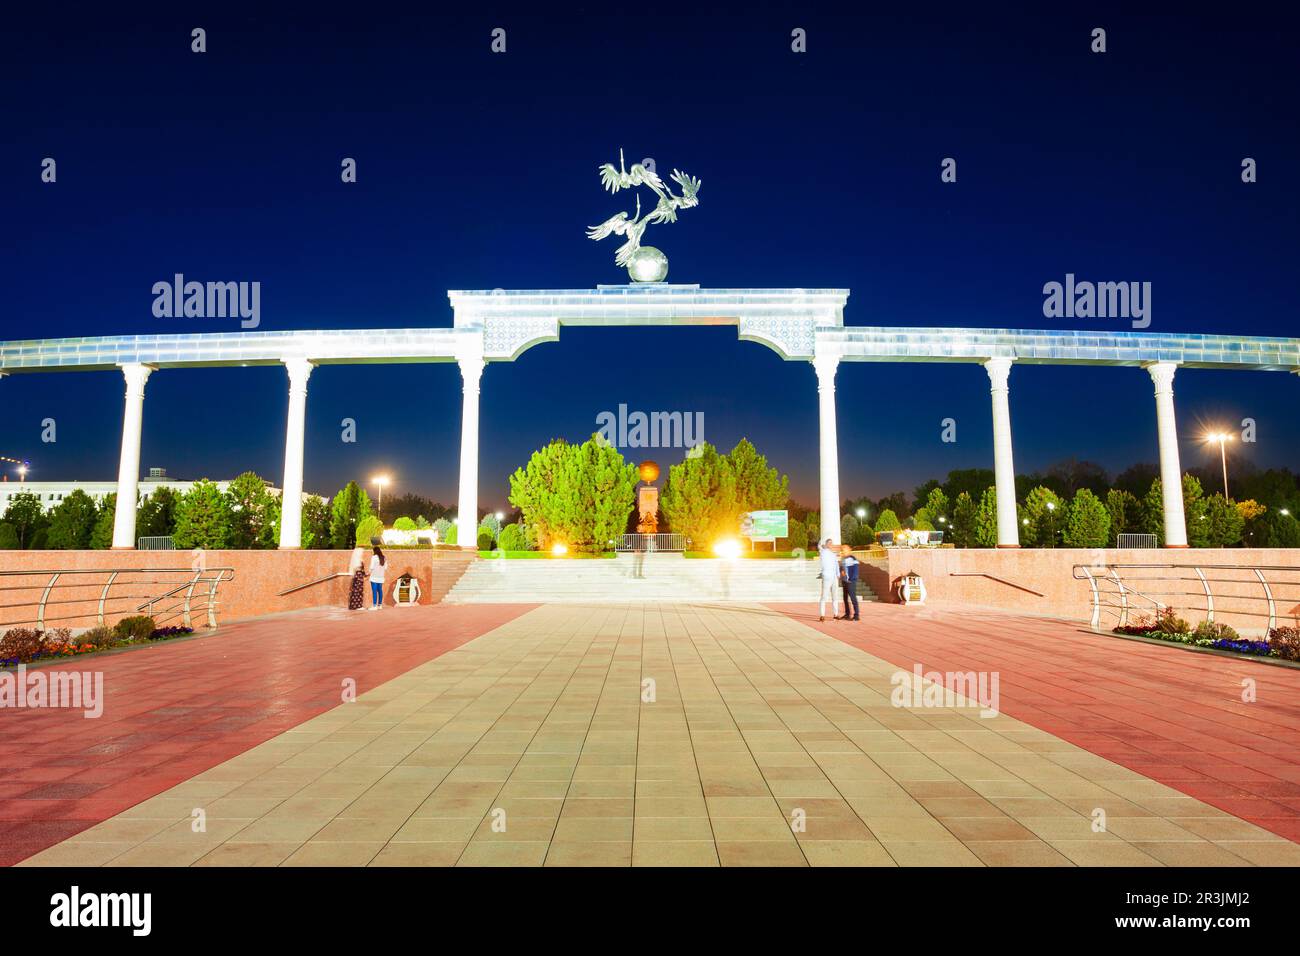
{"points": [[559, 550], [1221, 439], [862, 512], [727, 548], [380, 482]]}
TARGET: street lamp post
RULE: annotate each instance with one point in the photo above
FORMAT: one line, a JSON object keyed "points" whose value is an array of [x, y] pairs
{"points": [[380, 481], [1222, 438]]}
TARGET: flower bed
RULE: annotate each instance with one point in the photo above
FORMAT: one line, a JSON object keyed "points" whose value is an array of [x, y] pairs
{"points": [[1166, 625], [21, 645]]}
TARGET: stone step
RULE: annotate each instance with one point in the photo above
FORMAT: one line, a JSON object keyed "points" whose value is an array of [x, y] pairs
{"points": [[663, 578]]}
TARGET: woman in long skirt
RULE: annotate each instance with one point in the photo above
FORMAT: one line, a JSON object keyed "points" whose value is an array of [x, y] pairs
{"points": [[358, 589]]}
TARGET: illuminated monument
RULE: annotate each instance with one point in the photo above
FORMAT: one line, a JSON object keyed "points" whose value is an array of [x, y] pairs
{"points": [[647, 499], [800, 325]]}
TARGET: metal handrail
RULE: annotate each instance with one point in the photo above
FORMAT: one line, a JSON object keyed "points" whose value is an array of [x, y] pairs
{"points": [[68, 578], [1102, 576], [659, 541], [328, 577], [993, 577]]}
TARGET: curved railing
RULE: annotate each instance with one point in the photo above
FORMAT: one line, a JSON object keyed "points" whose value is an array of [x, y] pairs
{"points": [[1258, 592], [62, 596]]}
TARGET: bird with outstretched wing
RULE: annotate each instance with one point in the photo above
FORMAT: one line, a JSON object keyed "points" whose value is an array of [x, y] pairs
{"points": [[616, 178]]}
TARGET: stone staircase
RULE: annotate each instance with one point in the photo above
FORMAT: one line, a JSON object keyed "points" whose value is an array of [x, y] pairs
{"points": [[663, 578], [448, 569]]}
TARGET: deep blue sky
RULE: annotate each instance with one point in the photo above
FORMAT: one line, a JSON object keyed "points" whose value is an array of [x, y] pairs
{"points": [[479, 171]]}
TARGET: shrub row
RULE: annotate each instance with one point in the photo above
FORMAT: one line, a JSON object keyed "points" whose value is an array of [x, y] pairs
{"points": [[1166, 625], [22, 645]]}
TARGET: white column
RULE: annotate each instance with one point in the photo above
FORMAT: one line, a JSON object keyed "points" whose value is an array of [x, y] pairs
{"points": [[295, 437], [128, 468], [1171, 473], [471, 369], [1004, 468], [826, 365]]}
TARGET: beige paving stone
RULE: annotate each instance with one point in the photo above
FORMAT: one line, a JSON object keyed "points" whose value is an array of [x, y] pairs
{"points": [[907, 829], [1145, 829], [674, 853], [79, 853], [314, 853], [1226, 828], [949, 852], [479, 853], [763, 853], [1186, 853], [589, 854], [593, 830], [671, 829], [846, 853], [598, 807], [164, 854], [749, 806], [1018, 853], [1277, 852], [751, 829], [1103, 852], [419, 854], [249, 854], [131, 830], [362, 829]]}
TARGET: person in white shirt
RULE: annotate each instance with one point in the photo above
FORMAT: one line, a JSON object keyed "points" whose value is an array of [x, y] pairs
{"points": [[829, 557], [377, 562]]}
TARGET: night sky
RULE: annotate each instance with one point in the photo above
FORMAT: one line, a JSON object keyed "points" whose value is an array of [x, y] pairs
{"points": [[479, 171]]}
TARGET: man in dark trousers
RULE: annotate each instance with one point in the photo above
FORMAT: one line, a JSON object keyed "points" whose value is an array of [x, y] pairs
{"points": [[849, 581]]}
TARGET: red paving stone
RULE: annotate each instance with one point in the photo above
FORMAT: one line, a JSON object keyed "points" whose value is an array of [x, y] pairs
{"points": [[175, 710], [1167, 713]]}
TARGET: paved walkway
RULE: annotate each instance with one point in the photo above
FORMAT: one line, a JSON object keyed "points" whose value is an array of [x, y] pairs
{"points": [[174, 710], [1169, 714], [766, 742]]}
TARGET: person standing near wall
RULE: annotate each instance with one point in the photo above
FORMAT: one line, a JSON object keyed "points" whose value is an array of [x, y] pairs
{"points": [[830, 578], [357, 589], [377, 563], [849, 581]]}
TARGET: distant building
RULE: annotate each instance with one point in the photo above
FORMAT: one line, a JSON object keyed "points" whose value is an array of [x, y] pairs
{"points": [[52, 492]]}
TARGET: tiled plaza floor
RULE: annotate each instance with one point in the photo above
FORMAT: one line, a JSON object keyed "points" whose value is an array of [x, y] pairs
{"points": [[1170, 714], [766, 742], [173, 710]]}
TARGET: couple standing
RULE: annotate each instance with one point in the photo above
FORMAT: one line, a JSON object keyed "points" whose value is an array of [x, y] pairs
{"points": [[839, 571], [357, 566]]}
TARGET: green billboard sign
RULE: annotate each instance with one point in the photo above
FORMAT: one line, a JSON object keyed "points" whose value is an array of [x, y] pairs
{"points": [[759, 525]]}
